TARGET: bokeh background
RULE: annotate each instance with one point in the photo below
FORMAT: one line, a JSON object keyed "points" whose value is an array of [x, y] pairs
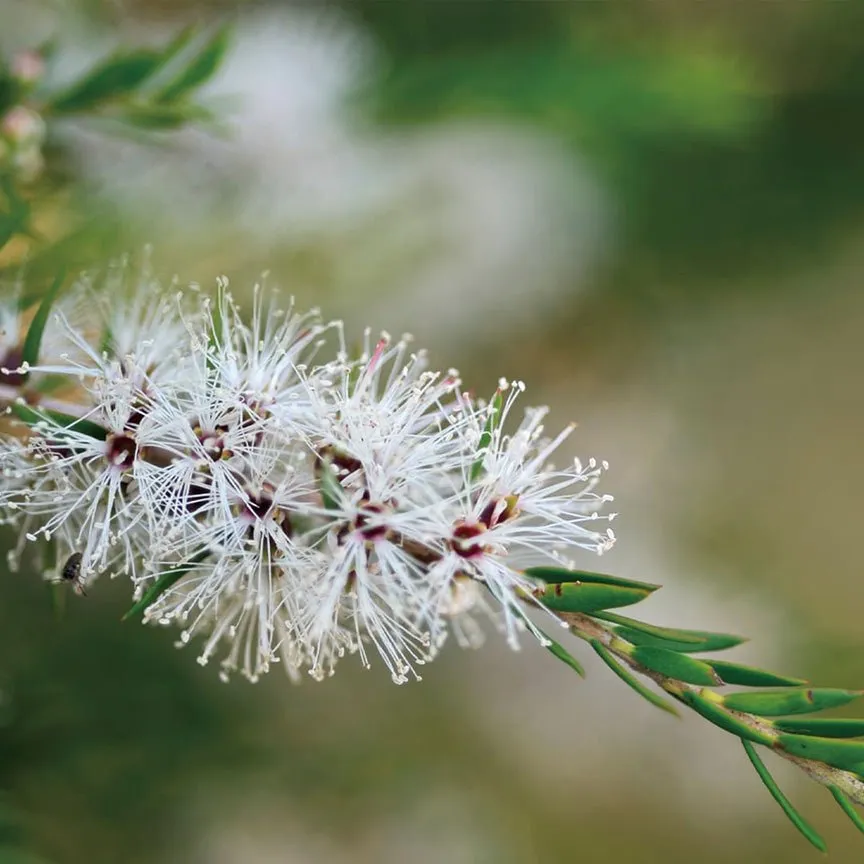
{"points": [[653, 213]]}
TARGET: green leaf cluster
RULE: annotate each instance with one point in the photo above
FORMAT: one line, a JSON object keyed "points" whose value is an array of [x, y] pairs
{"points": [[150, 89], [147, 87], [830, 749]]}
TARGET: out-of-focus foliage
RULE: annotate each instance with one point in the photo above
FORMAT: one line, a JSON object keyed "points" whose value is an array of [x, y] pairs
{"points": [[728, 137], [151, 90], [687, 109]]}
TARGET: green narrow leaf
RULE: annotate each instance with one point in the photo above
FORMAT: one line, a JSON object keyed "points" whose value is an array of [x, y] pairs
{"points": [[750, 676], [328, 484], [15, 220], [116, 76], [162, 117], [33, 339], [564, 655], [162, 584], [834, 727], [682, 641], [785, 804], [199, 69], [799, 700], [587, 597], [214, 337], [496, 406], [848, 808], [845, 754], [178, 43], [33, 416], [674, 665], [46, 384], [630, 679], [714, 713], [558, 575]]}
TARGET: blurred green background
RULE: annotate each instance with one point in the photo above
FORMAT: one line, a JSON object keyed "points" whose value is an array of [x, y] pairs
{"points": [[653, 213]]}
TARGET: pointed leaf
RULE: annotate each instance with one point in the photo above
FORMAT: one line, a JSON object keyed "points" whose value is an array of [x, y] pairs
{"points": [[34, 416], [328, 484], [786, 805], [163, 117], [564, 656], [845, 754], [559, 575], [848, 808], [631, 680], [682, 641], [49, 383], [750, 676], [200, 68], [714, 712], [117, 76], [492, 422], [677, 666], [834, 727], [587, 597], [33, 339], [178, 43], [800, 700]]}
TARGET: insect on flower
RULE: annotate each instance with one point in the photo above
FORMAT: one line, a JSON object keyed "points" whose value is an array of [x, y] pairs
{"points": [[71, 573]]}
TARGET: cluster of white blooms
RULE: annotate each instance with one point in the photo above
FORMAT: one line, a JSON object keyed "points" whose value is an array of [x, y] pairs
{"points": [[276, 506]]}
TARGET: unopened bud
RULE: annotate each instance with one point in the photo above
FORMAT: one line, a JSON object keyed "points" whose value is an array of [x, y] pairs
{"points": [[28, 67]]}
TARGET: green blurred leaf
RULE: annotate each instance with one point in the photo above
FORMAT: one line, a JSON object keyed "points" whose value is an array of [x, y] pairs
{"points": [[46, 384], [9, 89], [845, 754], [682, 641], [15, 219], [824, 727], [163, 117], [588, 596], [751, 676], [714, 713], [848, 808], [199, 70], [674, 665], [558, 575], [584, 95], [631, 680], [492, 423], [179, 43], [162, 584], [33, 339], [117, 76], [328, 484], [786, 805], [800, 700], [33, 416]]}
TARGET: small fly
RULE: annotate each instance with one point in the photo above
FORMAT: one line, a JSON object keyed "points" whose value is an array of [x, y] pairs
{"points": [[71, 573]]}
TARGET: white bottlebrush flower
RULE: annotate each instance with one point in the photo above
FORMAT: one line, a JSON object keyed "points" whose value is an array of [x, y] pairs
{"points": [[79, 487], [386, 441], [256, 360], [511, 510], [242, 599], [134, 336], [280, 510], [15, 317]]}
